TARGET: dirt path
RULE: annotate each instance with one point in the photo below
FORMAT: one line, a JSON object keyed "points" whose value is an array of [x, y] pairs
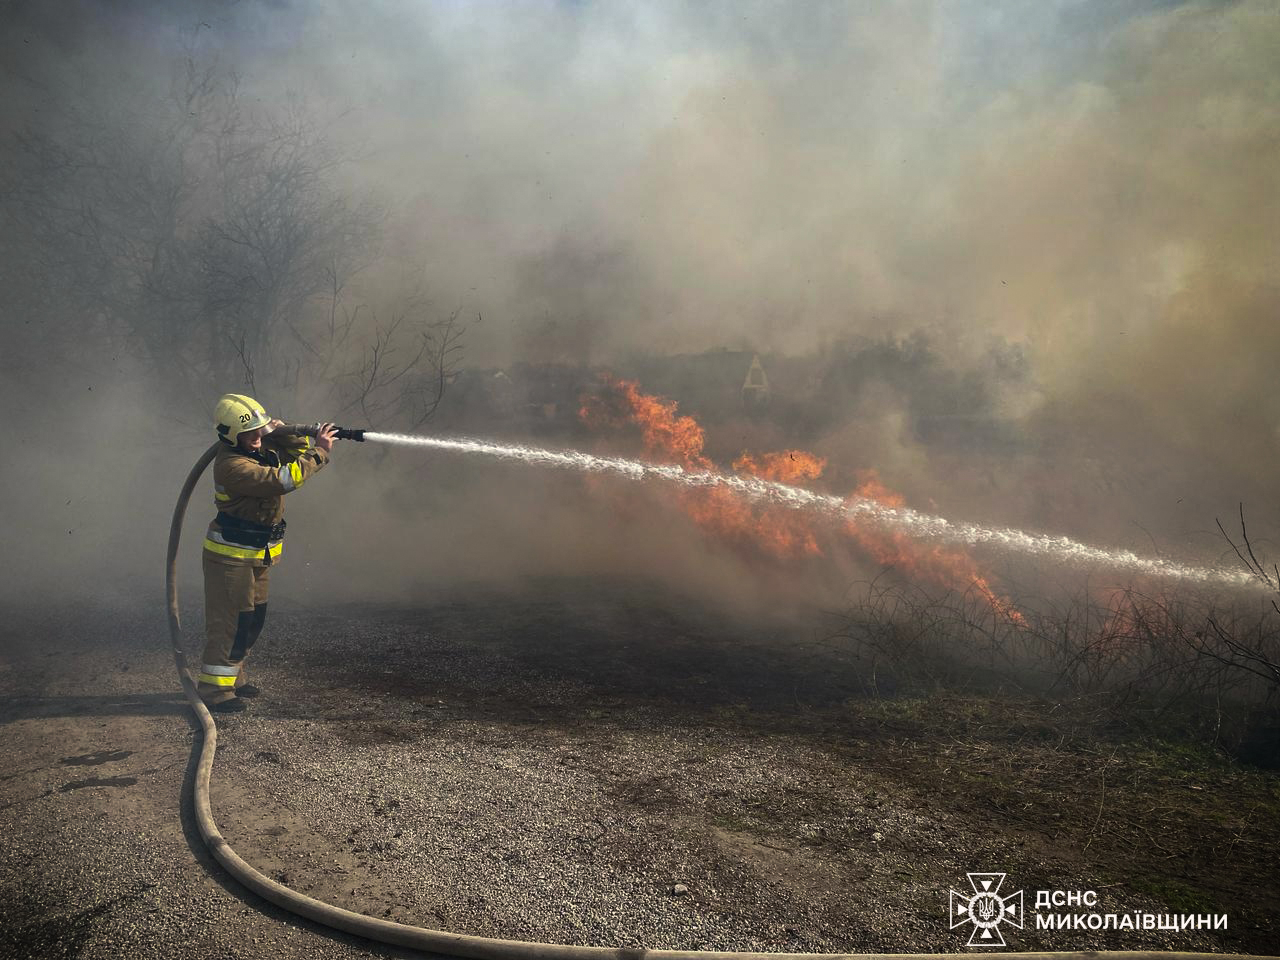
{"points": [[584, 763]]}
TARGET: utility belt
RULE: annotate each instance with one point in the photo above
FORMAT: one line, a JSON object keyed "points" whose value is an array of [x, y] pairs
{"points": [[247, 533]]}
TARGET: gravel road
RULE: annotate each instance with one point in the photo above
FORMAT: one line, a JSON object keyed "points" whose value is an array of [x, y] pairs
{"points": [[577, 763]]}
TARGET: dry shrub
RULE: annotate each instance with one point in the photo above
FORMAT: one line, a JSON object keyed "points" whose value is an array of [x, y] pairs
{"points": [[1185, 664]]}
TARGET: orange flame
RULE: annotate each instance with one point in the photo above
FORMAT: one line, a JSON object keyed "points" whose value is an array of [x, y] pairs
{"points": [[1134, 617], [943, 565], [672, 438], [789, 466], [668, 437]]}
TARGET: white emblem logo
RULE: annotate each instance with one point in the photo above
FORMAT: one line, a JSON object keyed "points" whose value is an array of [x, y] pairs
{"points": [[986, 909]]}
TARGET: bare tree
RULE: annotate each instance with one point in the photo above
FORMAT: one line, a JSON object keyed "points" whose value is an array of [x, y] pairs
{"points": [[96, 196], [211, 241], [278, 237]]}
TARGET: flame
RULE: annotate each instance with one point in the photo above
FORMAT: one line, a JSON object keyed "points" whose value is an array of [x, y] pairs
{"points": [[1133, 617], [789, 466], [670, 437], [947, 566]]}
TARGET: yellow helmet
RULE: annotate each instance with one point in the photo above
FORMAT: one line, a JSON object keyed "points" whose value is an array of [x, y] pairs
{"points": [[236, 413]]}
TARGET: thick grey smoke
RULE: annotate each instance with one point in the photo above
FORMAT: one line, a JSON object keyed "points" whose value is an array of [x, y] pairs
{"points": [[1095, 184]]}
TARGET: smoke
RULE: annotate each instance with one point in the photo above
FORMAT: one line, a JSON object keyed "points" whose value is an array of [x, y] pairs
{"points": [[1096, 185]]}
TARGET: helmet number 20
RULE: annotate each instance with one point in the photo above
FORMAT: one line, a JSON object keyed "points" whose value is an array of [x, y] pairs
{"points": [[246, 417]]}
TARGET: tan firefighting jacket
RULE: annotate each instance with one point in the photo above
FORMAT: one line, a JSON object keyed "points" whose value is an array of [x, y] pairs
{"points": [[248, 491]]}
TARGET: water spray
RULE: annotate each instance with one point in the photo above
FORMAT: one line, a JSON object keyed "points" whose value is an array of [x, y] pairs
{"points": [[919, 526]]}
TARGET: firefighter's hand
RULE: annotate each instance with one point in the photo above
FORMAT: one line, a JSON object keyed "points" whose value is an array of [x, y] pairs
{"points": [[273, 425], [325, 436]]}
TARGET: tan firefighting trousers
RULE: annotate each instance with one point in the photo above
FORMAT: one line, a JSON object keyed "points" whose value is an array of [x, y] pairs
{"points": [[235, 608]]}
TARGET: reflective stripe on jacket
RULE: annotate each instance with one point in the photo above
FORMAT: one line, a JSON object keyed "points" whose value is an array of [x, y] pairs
{"points": [[249, 489]]}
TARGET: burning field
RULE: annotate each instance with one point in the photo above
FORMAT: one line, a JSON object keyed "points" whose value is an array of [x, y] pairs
{"points": [[775, 531]]}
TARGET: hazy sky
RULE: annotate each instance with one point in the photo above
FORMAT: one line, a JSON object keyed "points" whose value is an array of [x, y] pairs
{"points": [[686, 175]]}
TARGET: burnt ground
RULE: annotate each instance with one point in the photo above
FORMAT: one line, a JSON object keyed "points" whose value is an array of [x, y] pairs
{"points": [[585, 762]]}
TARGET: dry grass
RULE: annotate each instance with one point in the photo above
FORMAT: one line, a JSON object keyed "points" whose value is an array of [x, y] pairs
{"points": [[1198, 666]]}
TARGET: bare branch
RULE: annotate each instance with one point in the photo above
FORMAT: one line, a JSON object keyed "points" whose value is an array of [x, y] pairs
{"points": [[246, 362], [1251, 563]]}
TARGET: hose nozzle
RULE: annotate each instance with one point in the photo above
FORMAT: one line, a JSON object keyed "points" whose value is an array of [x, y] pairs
{"points": [[310, 429]]}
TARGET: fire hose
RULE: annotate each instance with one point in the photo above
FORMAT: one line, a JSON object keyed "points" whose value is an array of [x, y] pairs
{"points": [[441, 941]]}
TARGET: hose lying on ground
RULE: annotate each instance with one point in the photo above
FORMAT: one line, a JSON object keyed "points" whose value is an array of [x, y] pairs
{"points": [[440, 941]]}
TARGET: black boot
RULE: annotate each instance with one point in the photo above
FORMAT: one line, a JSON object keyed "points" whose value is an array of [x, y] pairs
{"points": [[247, 690], [234, 705]]}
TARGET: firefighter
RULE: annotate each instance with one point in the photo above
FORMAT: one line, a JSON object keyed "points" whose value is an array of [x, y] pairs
{"points": [[252, 471]]}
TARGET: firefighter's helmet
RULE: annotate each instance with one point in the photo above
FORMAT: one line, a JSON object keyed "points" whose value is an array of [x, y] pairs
{"points": [[235, 414]]}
